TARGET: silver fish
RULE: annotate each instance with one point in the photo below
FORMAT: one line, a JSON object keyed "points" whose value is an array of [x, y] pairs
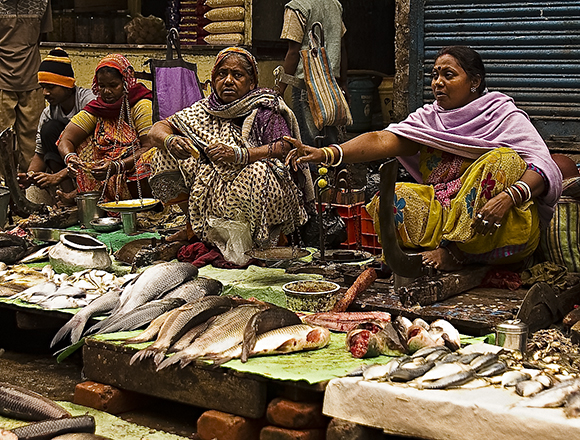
{"points": [[152, 330], [196, 289], [528, 388], [426, 351], [180, 321], [445, 330], [410, 370], [19, 403], [443, 370], [452, 381], [186, 340], [141, 316], [153, 283], [511, 378], [552, 397], [492, 370], [76, 324], [483, 361], [572, 404], [226, 331], [47, 429], [378, 371]]}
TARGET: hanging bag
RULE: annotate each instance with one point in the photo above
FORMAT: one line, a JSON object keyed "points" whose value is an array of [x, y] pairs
{"points": [[175, 82], [325, 98]]}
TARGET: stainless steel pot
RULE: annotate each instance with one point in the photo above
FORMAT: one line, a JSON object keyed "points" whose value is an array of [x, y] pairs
{"points": [[88, 209], [512, 335]]}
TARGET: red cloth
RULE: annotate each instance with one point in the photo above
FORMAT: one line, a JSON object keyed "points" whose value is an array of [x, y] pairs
{"points": [[502, 279], [199, 254], [100, 108]]}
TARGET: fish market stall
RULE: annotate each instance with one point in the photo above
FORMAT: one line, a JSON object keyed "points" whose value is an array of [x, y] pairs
{"points": [[462, 414]]}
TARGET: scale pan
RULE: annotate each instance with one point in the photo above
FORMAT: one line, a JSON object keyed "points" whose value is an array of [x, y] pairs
{"points": [[133, 205]]}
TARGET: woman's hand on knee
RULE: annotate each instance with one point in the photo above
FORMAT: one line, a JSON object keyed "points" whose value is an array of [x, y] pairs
{"points": [[219, 152], [180, 147], [490, 217]]}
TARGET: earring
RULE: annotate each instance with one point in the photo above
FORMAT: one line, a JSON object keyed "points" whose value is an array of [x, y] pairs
{"points": [[473, 90]]}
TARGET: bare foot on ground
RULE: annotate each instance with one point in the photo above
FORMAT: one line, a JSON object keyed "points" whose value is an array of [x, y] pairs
{"points": [[441, 259]]}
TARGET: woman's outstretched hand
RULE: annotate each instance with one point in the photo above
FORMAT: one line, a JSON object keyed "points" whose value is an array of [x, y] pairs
{"points": [[220, 153], [302, 153], [181, 147]]}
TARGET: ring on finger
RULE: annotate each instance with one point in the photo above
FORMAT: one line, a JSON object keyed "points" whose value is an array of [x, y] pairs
{"points": [[479, 215], [484, 222], [497, 225]]}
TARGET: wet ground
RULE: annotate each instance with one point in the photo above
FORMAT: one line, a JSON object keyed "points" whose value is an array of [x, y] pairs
{"points": [[57, 381]]}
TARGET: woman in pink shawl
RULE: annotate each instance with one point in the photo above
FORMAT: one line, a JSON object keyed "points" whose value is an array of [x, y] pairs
{"points": [[487, 183]]}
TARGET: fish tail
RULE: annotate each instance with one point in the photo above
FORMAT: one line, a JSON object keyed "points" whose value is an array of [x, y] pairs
{"points": [[64, 330], [170, 361], [159, 356], [140, 355]]}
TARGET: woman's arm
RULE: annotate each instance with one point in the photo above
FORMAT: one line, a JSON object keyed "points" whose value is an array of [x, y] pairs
{"points": [[164, 135], [71, 138], [367, 147], [491, 215]]}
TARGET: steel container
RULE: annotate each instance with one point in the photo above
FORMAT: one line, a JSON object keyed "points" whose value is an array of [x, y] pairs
{"points": [[88, 209], [512, 335]]}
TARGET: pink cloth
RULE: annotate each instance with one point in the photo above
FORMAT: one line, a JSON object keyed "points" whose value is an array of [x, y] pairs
{"points": [[200, 254], [490, 121]]}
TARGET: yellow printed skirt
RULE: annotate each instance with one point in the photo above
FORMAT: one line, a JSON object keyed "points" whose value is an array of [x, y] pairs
{"points": [[422, 222]]}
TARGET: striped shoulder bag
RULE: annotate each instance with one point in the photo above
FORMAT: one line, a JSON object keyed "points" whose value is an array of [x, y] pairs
{"points": [[325, 99]]}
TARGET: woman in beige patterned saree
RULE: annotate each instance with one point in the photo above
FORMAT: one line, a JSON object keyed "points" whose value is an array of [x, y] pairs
{"points": [[223, 157]]}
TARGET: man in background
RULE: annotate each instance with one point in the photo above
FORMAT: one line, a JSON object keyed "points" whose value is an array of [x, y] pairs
{"points": [[47, 169], [299, 16], [21, 100]]}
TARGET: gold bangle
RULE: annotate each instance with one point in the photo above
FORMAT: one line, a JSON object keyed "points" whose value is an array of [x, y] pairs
{"points": [[168, 140], [331, 153], [323, 149]]}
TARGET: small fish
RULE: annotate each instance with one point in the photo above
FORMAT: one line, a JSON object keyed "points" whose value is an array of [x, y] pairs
{"points": [[528, 388], [452, 381], [552, 397], [492, 370], [483, 361], [572, 404], [511, 378], [451, 357], [42, 289], [424, 352], [39, 255], [437, 355], [410, 370], [378, 371], [443, 370], [363, 343], [19, 403], [445, 330], [467, 358], [47, 429]]}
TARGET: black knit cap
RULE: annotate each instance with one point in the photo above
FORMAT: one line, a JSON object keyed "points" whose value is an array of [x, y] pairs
{"points": [[56, 69]]}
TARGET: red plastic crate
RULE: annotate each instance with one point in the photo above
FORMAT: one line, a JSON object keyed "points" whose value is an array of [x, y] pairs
{"points": [[351, 214]]}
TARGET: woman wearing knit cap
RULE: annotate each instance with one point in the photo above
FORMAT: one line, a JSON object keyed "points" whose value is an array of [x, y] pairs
{"points": [[47, 169], [102, 145]]}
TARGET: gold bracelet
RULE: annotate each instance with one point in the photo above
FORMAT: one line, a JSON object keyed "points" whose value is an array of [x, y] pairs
{"points": [[168, 140], [323, 149]]}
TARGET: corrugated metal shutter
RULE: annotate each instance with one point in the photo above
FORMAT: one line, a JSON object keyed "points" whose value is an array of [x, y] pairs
{"points": [[531, 51]]}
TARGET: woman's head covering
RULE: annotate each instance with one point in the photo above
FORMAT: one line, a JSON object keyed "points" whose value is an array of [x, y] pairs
{"points": [[56, 69], [134, 91], [119, 63], [224, 53]]}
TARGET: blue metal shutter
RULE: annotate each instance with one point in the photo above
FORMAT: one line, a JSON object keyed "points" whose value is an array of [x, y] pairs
{"points": [[531, 50]]}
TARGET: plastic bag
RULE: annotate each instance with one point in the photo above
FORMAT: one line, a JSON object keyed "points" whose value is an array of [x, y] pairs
{"points": [[334, 230], [232, 238]]}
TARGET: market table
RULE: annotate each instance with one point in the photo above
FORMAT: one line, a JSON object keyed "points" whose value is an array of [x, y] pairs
{"points": [[460, 414]]}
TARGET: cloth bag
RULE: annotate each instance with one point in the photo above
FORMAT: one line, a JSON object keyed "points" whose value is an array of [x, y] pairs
{"points": [[175, 82], [325, 99]]}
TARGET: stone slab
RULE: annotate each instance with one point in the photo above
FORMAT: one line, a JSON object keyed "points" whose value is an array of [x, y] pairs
{"points": [[218, 389], [461, 414]]}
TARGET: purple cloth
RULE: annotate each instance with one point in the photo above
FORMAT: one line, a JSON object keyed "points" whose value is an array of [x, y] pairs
{"points": [[176, 88], [490, 121]]}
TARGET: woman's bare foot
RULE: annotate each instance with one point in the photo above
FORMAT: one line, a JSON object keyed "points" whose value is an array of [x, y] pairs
{"points": [[442, 259]]}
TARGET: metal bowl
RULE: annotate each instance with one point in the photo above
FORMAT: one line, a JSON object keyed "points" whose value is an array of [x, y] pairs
{"points": [[311, 295], [46, 234], [106, 224]]}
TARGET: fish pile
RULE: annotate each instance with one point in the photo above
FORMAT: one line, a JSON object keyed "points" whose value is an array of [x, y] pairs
{"points": [[401, 337], [216, 329], [141, 299], [17, 278], [62, 291]]}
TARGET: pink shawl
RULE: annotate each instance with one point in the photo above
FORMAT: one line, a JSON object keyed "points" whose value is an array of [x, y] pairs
{"points": [[491, 121]]}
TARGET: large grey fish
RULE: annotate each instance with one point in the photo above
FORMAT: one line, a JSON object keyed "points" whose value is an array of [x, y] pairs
{"points": [[152, 330], [289, 339], [178, 323], [226, 331], [47, 429], [19, 403], [196, 289], [264, 321], [141, 316], [153, 283], [76, 324]]}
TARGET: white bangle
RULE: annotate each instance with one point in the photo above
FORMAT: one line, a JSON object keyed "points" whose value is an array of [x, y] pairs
{"points": [[527, 189], [340, 154], [67, 156]]}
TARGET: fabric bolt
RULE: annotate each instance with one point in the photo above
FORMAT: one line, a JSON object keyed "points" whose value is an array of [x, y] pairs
{"points": [[262, 194], [422, 221]]}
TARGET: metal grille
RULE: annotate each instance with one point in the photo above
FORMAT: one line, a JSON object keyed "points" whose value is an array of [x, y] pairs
{"points": [[531, 51]]}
